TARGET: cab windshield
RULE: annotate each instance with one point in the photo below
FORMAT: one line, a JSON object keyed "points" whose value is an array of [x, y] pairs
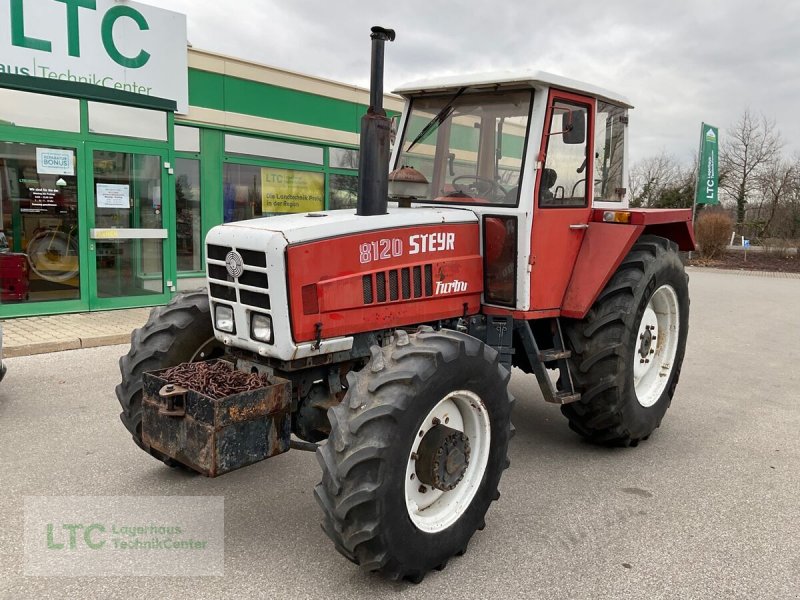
{"points": [[469, 146]]}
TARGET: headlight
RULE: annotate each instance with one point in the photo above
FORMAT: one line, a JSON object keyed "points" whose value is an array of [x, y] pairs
{"points": [[261, 328], [223, 318]]}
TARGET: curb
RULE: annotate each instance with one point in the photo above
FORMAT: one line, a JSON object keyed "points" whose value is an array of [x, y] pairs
{"points": [[68, 344]]}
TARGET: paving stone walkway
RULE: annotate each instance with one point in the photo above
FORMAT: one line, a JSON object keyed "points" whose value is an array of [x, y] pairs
{"points": [[38, 335]]}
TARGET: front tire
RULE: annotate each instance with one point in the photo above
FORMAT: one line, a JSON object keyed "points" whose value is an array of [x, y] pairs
{"points": [[426, 392], [179, 332], [628, 350]]}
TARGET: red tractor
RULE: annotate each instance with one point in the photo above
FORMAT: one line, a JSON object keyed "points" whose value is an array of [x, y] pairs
{"points": [[509, 242]]}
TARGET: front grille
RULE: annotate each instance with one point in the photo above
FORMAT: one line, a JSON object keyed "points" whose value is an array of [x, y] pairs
{"points": [[399, 284], [222, 292], [254, 299], [251, 288]]}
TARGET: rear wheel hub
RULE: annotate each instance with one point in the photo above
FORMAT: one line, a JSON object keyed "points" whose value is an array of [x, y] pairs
{"points": [[443, 457]]}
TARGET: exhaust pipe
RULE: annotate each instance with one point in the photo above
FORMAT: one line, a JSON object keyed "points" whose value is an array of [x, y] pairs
{"points": [[373, 162]]}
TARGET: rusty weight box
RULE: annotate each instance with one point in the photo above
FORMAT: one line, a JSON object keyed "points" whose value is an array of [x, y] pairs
{"points": [[215, 435]]}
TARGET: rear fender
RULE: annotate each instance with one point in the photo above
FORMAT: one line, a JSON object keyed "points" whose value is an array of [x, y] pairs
{"points": [[605, 245]]}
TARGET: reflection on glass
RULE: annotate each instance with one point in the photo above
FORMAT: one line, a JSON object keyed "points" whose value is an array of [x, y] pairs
{"points": [[39, 259], [187, 139], [127, 192], [128, 121], [240, 144], [187, 205], [343, 158], [469, 146], [342, 191], [609, 141], [129, 268], [26, 109]]}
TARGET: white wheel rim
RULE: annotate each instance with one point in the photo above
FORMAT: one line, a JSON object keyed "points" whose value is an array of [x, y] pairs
{"points": [[435, 510], [656, 346]]}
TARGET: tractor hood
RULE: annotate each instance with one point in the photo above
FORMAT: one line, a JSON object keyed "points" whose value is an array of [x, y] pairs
{"points": [[304, 227]]}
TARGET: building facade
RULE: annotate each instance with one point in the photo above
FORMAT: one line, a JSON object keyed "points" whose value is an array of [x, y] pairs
{"points": [[106, 193]]}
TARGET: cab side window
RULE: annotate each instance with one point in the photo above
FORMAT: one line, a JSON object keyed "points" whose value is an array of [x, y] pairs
{"points": [[563, 179]]}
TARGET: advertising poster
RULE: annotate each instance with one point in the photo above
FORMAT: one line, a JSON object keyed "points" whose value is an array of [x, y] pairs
{"points": [[288, 191]]}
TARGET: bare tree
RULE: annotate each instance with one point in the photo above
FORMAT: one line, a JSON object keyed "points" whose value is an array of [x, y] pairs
{"points": [[750, 147], [660, 181]]}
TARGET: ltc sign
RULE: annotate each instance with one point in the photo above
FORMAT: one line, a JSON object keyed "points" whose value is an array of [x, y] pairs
{"points": [[120, 45]]}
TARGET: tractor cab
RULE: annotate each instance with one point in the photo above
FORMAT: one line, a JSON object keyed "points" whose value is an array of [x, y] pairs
{"points": [[532, 154]]}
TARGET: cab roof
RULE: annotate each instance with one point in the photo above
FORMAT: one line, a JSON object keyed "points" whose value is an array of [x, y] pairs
{"points": [[524, 78]]}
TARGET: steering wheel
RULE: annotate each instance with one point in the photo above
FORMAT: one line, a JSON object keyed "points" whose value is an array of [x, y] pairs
{"points": [[480, 186]]}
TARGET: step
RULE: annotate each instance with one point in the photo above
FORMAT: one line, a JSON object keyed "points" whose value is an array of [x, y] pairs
{"points": [[564, 398], [553, 354]]}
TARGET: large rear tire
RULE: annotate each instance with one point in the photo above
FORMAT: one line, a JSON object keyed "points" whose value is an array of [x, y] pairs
{"points": [[179, 332], [628, 350], [416, 451]]}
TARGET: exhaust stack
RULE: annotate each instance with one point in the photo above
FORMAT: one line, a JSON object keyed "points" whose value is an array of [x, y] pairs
{"points": [[373, 163]]}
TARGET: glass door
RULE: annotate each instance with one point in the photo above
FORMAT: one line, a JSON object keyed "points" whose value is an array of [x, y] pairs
{"points": [[128, 234]]}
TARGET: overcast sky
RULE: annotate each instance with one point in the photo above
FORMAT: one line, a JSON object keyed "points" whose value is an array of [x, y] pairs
{"points": [[679, 62]]}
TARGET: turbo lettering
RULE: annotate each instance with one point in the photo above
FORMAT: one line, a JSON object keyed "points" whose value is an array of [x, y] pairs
{"points": [[451, 287]]}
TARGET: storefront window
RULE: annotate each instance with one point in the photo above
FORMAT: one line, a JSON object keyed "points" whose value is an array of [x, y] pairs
{"points": [[187, 204], [26, 109], [127, 121], [252, 191], [343, 158], [251, 146], [39, 235], [187, 139], [343, 191]]}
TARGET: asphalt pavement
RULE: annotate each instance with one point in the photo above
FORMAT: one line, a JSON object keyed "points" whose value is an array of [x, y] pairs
{"points": [[708, 507]]}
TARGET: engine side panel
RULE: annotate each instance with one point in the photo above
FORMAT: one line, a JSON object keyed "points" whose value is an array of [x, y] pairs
{"points": [[383, 279]]}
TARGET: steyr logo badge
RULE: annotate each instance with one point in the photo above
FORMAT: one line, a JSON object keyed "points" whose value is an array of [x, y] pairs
{"points": [[234, 263]]}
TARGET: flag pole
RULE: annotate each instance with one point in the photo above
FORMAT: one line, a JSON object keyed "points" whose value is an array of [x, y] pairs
{"points": [[697, 177]]}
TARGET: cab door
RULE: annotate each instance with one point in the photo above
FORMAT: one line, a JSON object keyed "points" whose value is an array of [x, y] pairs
{"points": [[562, 201]]}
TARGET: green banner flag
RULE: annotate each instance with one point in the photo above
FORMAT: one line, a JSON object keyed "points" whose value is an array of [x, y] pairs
{"points": [[707, 190]]}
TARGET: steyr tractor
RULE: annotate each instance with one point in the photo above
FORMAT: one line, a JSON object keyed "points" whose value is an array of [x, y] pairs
{"points": [[495, 234]]}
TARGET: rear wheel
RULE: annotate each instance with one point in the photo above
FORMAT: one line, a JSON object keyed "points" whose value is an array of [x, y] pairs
{"points": [[179, 332], [416, 451], [628, 351]]}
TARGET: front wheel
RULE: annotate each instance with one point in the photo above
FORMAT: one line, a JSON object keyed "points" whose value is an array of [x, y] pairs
{"points": [[628, 351], [416, 451], [179, 332]]}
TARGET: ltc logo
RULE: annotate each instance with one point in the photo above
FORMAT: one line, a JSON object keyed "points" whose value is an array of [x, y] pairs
{"points": [[72, 15], [234, 263], [88, 536]]}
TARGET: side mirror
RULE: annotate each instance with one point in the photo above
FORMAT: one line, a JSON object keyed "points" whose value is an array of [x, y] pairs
{"points": [[573, 125]]}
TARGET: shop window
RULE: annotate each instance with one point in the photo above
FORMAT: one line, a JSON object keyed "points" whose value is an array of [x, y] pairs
{"points": [[342, 191], [189, 233], [26, 109], [39, 258], [187, 139], [251, 191], [343, 158], [128, 121], [250, 146]]}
